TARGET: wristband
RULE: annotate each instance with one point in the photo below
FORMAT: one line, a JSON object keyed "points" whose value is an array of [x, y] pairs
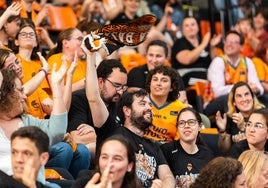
{"points": [[44, 70]]}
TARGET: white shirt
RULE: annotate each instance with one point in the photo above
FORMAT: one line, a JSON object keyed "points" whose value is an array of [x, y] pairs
{"points": [[217, 77]]}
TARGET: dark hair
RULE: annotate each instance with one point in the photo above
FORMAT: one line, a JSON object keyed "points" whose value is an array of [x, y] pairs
{"points": [[88, 26], [126, 100], [63, 35], [219, 172], [199, 139], [130, 178], [174, 78], [10, 18], [158, 43], [4, 54], [35, 134], [106, 67], [263, 112], [15, 48], [263, 11], [241, 37]]}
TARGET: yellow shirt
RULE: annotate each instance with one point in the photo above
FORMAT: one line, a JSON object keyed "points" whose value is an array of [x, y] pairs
{"points": [[261, 68], [163, 128], [80, 71], [34, 101]]}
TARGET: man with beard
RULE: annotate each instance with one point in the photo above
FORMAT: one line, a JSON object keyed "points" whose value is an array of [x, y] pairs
{"points": [[112, 79], [134, 111]]}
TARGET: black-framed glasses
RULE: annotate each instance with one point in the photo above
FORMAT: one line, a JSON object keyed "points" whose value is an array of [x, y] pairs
{"points": [[255, 126], [117, 86], [190, 122], [25, 34]]}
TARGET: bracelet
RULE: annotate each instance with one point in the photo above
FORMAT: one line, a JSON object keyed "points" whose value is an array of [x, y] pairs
{"points": [[44, 70]]}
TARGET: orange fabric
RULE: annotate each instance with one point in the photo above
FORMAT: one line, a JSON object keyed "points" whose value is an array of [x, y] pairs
{"points": [[261, 68], [3, 4], [209, 131], [235, 74], [80, 71], [35, 9], [205, 27], [132, 60], [247, 49], [61, 17]]}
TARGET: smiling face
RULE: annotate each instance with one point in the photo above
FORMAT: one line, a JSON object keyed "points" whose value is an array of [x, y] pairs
{"points": [[190, 27], [243, 99], [155, 56], [257, 135], [160, 85], [115, 153], [12, 62], [188, 133], [232, 46]]}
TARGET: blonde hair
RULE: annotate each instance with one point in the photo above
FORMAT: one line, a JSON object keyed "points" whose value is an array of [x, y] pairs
{"points": [[232, 108], [253, 162]]}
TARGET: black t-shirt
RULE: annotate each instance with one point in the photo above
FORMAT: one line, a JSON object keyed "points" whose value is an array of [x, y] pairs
{"points": [[233, 130], [183, 44], [80, 111], [148, 154], [240, 147], [185, 166], [137, 77], [7, 181]]}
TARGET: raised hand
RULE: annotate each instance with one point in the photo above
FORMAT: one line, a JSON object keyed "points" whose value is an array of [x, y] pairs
{"points": [[57, 76], [43, 61], [13, 9], [221, 121]]}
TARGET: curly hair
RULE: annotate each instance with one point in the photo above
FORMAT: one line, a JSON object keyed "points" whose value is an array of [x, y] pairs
{"points": [[232, 108], [8, 95], [220, 172], [174, 78]]}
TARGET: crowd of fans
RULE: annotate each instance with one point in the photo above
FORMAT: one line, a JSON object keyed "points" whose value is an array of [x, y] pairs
{"points": [[75, 117]]}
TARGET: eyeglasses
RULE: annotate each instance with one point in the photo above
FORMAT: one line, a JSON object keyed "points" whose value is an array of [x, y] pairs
{"points": [[25, 34], [190, 122], [232, 42], [117, 86], [255, 126]]}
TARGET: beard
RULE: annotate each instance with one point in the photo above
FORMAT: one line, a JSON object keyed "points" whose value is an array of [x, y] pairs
{"points": [[139, 121]]}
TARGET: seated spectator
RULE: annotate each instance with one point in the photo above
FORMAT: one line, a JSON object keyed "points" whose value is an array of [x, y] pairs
{"points": [[68, 45], [122, 172], [255, 164], [260, 27], [29, 146], [190, 55], [228, 69], [260, 61], [9, 24], [221, 172], [156, 55], [12, 114], [188, 155], [233, 123], [134, 112], [162, 85], [256, 134]]}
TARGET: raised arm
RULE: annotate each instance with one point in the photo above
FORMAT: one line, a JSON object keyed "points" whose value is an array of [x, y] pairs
{"points": [[31, 85], [56, 86], [12, 10], [99, 110]]}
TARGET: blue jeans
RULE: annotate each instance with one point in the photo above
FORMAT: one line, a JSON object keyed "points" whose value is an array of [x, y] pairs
{"points": [[61, 155]]}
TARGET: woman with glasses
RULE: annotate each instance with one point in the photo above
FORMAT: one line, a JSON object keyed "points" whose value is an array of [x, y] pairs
{"points": [[255, 164], [241, 102], [256, 134], [162, 85], [189, 154], [69, 46]]}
